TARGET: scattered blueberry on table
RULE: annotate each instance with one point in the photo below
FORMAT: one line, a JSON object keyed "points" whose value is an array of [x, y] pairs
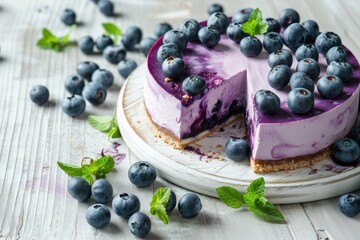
{"points": [[161, 28], [68, 17], [126, 67], [95, 93], [86, 69], [125, 204], [74, 105], [98, 216], [237, 149], [79, 189], [102, 191], [86, 45], [106, 7], [114, 53], [103, 77], [189, 205], [215, 7], [39, 94], [142, 174], [74, 84], [349, 205], [139, 224]]}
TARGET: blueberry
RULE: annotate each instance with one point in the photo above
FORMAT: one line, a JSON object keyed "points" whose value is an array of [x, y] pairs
{"points": [[167, 50], [139, 224], [272, 42], [189, 205], [250, 46], [190, 27], [266, 102], [74, 105], [327, 40], [171, 203], [336, 53], [74, 84], [355, 132], [104, 77], [346, 151], [146, 44], [341, 69], [312, 30], [294, 36], [215, 7], [126, 67], [242, 15], [307, 51], [102, 191], [329, 86], [288, 16], [162, 28], [79, 189], [173, 67], [300, 100], [209, 36], [125, 205], [131, 37], [102, 42], [39, 94], [68, 17], [349, 205], [142, 174], [274, 25], [237, 149], [98, 216], [279, 76], [95, 93], [301, 80], [177, 37], [235, 33], [219, 21], [114, 54], [194, 85], [280, 57], [86, 45], [310, 67], [86, 69], [106, 7]]}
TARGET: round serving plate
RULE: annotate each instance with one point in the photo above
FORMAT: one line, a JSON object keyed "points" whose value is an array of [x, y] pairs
{"points": [[204, 167]]}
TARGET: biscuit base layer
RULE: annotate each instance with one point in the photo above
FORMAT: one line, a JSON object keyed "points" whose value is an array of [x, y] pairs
{"points": [[269, 166]]}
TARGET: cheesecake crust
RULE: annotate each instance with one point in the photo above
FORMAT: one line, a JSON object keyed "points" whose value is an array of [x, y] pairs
{"points": [[269, 166]]}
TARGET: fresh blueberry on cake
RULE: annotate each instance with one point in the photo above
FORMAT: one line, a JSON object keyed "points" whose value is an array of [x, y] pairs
{"points": [[279, 76], [280, 57], [209, 36], [274, 25], [336, 53], [225, 81], [340, 68], [307, 51], [288, 16], [310, 67], [300, 100], [177, 37], [301, 80], [173, 67], [272, 42], [267, 101], [327, 40], [235, 33], [294, 36], [219, 21], [190, 27], [242, 15], [312, 30], [329, 86], [215, 7]]}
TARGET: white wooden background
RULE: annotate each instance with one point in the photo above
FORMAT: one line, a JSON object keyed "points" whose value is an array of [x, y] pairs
{"points": [[34, 203]]}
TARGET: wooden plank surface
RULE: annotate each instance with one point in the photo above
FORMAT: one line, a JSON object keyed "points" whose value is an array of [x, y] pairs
{"points": [[34, 203]]}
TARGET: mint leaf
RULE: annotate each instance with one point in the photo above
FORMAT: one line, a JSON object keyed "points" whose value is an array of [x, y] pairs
{"points": [[114, 133], [257, 186], [88, 178], [101, 123], [112, 31], [159, 202], [230, 196], [102, 166], [51, 42], [71, 170], [255, 24], [266, 211]]}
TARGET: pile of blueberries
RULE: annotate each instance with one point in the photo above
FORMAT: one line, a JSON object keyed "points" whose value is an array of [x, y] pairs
{"points": [[127, 205]]}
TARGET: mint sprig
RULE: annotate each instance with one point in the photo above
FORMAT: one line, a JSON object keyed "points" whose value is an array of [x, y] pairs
{"points": [[112, 31], [95, 169], [107, 124], [51, 42], [255, 24], [254, 199], [159, 202]]}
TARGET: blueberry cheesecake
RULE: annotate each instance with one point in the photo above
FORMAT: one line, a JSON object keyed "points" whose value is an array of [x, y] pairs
{"points": [[294, 102]]}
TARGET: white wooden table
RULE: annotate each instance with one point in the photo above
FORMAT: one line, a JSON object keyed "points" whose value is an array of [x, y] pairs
{"points": [[34, 202]]}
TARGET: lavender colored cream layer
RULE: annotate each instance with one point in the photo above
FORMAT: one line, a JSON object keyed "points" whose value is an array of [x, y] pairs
{"points": [[232, 81]]}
